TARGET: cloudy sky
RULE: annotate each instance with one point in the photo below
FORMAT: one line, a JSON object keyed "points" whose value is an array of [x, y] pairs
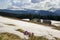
{"points": [[29, 4]]}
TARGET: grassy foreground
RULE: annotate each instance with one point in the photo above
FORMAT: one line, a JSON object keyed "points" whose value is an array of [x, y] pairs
{"points": [[8, 36], [33, 37]]}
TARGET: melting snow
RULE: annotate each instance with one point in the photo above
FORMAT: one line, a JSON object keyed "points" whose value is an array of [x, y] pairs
{"points": [[38, 30]]}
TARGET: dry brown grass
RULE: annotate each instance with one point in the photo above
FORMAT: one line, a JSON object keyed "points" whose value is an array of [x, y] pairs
{"points": [[33, 37], [11, 24], [57, 38], [8, 36]]}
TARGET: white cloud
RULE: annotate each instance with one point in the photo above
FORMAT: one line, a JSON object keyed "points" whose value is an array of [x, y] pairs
{"points": [[35, 1], [31, 4], [38, 4], [4, 4]]}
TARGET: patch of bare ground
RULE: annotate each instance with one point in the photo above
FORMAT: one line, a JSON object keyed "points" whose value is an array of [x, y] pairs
{"points": [[57, 38], [11, 24], [9, 36]]}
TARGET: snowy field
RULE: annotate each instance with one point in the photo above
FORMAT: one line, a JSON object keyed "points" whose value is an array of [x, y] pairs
{"points": [[56, 23], [38, 30]]}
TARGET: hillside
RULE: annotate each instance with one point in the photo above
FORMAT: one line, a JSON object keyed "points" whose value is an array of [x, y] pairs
{"points": [[11, 25]]}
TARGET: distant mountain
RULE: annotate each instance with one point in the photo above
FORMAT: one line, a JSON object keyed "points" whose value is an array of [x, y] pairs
{"points": [[57, 12], [33, 12], [27, 11], [40, 14]]}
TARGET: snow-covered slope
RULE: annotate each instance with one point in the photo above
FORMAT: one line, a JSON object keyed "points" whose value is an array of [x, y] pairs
{"points": [[56, 23], [38, 30]]}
